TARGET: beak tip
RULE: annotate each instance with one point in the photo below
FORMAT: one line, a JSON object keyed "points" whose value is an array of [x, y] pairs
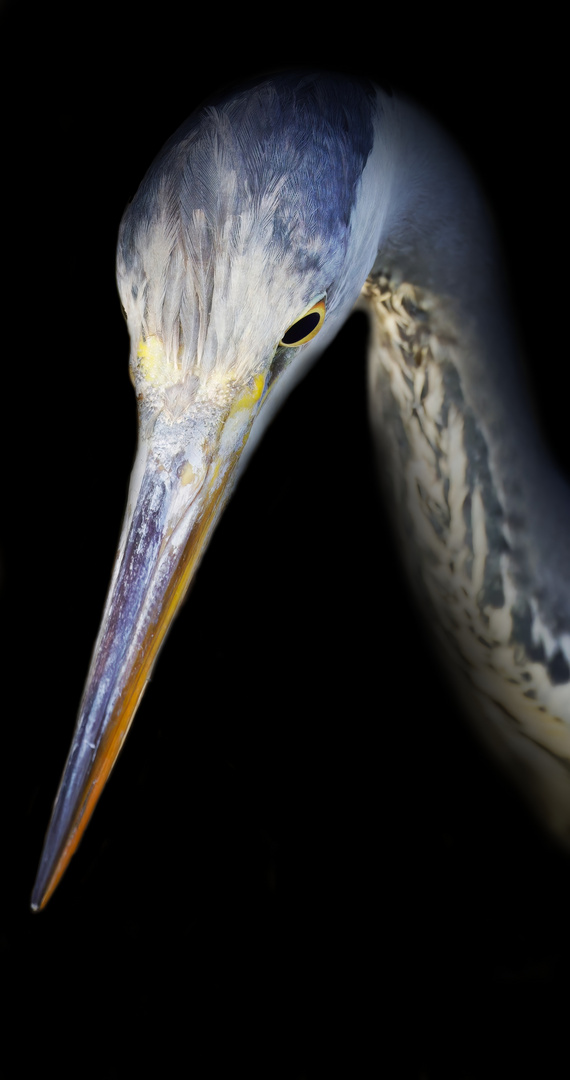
{"points": [[40, 893], [36, 899], [49, 872]]}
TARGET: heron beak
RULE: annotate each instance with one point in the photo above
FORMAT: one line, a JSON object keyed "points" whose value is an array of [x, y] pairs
{"points": [[181, 480]]}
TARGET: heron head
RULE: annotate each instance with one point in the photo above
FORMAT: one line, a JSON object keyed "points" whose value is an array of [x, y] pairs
{"points": [[243, 250], [244, 226]]}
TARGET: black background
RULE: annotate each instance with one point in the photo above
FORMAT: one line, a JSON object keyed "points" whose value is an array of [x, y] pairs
{"points": [[303, 865]]}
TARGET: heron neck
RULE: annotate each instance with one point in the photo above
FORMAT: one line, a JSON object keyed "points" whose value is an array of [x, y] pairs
{"points": [[480, 512]]}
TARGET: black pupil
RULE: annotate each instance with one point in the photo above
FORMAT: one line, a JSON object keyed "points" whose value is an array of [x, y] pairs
{"points": [[300, 329]]}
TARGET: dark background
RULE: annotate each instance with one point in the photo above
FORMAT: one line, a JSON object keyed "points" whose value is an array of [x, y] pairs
{"points": [[303, 865]]}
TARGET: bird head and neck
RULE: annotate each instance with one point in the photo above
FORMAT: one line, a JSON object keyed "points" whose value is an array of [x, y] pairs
{"points": [[248, 243]]}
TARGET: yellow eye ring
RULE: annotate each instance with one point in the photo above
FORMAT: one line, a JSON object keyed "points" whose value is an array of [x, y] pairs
{"points": [[306, 327]]}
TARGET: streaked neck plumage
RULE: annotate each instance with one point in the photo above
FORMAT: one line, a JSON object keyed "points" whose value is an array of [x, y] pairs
{"points": [[480, 508]]}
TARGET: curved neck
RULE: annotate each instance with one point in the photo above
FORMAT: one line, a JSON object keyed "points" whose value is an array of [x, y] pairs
{"points": [[481, 514]]}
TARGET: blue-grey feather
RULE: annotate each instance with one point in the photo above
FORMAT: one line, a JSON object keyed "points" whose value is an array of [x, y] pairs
{"points": [[292, 133]]}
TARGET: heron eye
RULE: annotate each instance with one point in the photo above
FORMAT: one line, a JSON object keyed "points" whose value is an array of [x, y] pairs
{"points": [[306, 327]]}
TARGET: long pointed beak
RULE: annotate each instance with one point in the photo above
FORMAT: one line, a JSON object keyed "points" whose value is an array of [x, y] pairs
{"points": [[174, 503]]}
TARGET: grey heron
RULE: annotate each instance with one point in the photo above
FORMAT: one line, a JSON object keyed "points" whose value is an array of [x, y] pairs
{"points": [[267, 217]]}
